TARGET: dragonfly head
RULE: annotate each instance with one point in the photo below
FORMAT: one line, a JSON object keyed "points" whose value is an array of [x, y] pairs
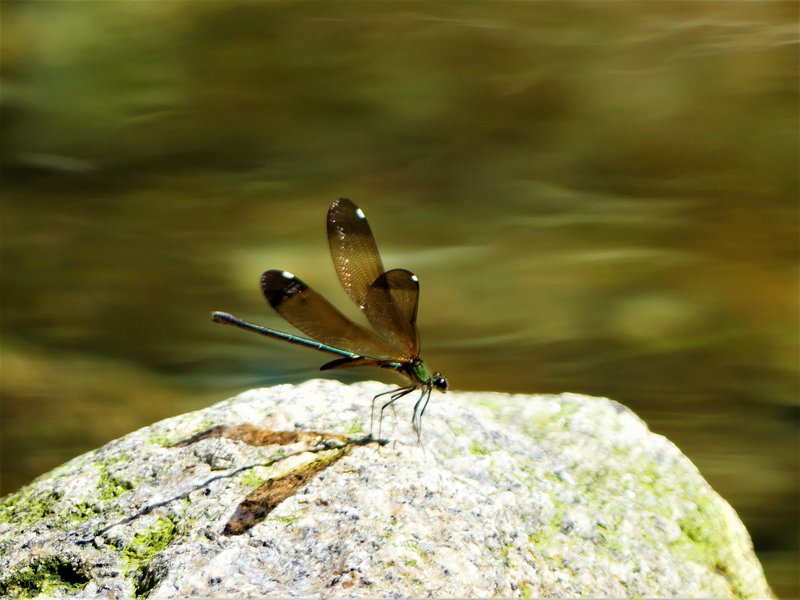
{"points": [[439, 382]]}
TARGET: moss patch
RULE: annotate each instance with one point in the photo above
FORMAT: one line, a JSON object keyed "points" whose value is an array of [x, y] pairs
{"points": [[527, 593], [81, 511], [109, 486], [477, 448], [288, 519], [44, 576], [355, 426], [27, 507], [32, 504], [252, 479], [705, 540], [147, 544], [138, 555]]}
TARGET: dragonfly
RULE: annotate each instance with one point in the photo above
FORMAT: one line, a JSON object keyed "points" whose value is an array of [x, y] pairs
{"points": [[389, 300]]}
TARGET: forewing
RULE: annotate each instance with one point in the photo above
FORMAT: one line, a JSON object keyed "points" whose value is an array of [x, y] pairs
{"points": [[353, 249], [391, 307], [313, 315]]}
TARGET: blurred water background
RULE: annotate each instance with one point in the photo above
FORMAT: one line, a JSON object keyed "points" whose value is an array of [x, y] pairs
{"points": [[597, 197]]}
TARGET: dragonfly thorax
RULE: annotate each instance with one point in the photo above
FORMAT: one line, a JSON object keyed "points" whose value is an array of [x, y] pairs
{"points": [[421, 377]]}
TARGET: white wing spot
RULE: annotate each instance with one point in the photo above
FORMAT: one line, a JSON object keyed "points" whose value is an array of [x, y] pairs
{"points": [[415, 278], [360, 214], [287, 275]]}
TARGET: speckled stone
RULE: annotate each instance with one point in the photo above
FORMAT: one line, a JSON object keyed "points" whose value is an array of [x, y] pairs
{"points": [[511, 495]]}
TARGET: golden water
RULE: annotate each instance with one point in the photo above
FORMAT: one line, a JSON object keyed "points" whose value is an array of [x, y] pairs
{"points": [[597, 197]]}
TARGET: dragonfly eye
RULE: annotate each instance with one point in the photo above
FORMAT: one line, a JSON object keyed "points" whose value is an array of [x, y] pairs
{"points": [[439, 382]]}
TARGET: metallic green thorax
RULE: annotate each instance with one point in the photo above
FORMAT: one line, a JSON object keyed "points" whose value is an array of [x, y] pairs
{"points": [[418, 371], [415, 370]]}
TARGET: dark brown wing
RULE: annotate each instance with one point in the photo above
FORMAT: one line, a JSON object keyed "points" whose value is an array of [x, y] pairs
{"points": [[341, 363], [353, 249], [312, 314], [391, 307]]}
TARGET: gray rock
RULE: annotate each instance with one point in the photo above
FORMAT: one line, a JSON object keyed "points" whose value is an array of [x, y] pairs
{"points": [[275, 493]]}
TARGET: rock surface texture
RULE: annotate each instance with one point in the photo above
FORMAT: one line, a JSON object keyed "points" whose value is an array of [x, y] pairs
{"points": [[276, 493]]}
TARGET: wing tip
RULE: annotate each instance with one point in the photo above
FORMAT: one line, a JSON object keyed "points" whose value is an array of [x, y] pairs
{"points": [[278, 286]]}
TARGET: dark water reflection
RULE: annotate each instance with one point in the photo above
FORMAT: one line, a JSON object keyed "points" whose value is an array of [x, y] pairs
{"points": [[597, 198]]}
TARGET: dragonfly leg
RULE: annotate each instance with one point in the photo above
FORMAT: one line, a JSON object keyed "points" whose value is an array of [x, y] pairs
{"points": [[416, 417], [393, 398], [424, 406], [372, 410], [395, 395]]}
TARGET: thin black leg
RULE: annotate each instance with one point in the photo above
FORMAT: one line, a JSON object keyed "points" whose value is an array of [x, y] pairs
{"points": [[392, 399], [416, 416], [402, 391]]}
